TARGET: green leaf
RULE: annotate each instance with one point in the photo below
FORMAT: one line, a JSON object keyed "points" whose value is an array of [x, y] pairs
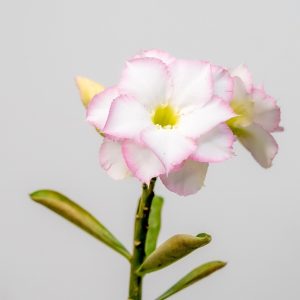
{"points": [[172, 250], [80, 217], [192, 277], [154, 224]]}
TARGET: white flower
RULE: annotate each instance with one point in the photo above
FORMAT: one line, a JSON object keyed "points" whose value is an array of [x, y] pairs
{"points": [[165, 118], [257, 117]]}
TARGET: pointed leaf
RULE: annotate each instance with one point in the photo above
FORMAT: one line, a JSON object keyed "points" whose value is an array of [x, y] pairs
{"points": [[192, 277], [154, 224], [78, 216], [172, 250]]}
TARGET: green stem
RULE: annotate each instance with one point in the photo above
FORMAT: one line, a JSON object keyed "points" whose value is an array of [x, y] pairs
{"points": [[140, 233]]}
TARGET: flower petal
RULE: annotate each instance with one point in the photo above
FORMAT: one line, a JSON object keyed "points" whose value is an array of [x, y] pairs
{"points": [[146, 79], [98, 109], [142, 162], [112, 161], [191, 83], [186, 180], [214, 146], [88, 89], [202, 119], [127, 118], [169, 145], [266, 112], [239, 90], [243, 73], [222, 82], [165, 57], [260, 143]]}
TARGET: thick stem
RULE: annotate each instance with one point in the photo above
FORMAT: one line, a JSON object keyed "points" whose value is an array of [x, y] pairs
{"points": [[140, 232]]}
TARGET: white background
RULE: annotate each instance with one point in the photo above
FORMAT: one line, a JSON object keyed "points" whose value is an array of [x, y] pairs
{"points": [[253, 214]]}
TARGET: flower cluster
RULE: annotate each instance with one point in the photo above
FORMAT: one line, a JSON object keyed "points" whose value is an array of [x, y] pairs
{"points": [[170, 118]]}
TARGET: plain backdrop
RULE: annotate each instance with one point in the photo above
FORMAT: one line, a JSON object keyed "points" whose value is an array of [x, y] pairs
{"points": [[253, 214]]}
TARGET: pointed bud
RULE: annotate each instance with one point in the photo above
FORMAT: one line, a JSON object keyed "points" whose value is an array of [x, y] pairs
{"points": [[88, 89]]}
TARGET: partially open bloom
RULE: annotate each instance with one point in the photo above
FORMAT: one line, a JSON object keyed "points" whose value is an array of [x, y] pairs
{"points": [[164, 118], [257, 117]]}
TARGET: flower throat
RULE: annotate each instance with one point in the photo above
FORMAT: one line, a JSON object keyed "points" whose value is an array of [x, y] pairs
{"points": [[165, 116]]}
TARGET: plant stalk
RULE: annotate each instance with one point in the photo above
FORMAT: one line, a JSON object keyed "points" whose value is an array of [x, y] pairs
{"points": [[140, 233]]}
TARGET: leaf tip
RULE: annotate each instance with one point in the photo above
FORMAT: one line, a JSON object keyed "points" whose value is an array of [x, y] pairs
{"points": [[40, 194], [204, 236], [34, 195], [223, 263], [217, 265]]}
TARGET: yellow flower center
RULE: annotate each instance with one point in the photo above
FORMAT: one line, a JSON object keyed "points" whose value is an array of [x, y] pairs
{"points": [[165, 116], [244, 110]]}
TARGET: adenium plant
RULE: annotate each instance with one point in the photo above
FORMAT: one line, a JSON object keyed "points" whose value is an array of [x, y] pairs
{"points": [[169, 119]]}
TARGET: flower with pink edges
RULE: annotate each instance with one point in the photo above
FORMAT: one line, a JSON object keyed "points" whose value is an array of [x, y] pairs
{"points": [[258, 116], [165, 118]]}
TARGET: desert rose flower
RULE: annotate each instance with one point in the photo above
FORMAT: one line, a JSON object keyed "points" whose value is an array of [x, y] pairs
{"points": [[258, 116], [215, 146], [164, 116]]}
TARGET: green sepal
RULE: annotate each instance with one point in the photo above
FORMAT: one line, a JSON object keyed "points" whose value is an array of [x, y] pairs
{"points": [[154, 224], [172, 250], [80, 217], [192, 277]]}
